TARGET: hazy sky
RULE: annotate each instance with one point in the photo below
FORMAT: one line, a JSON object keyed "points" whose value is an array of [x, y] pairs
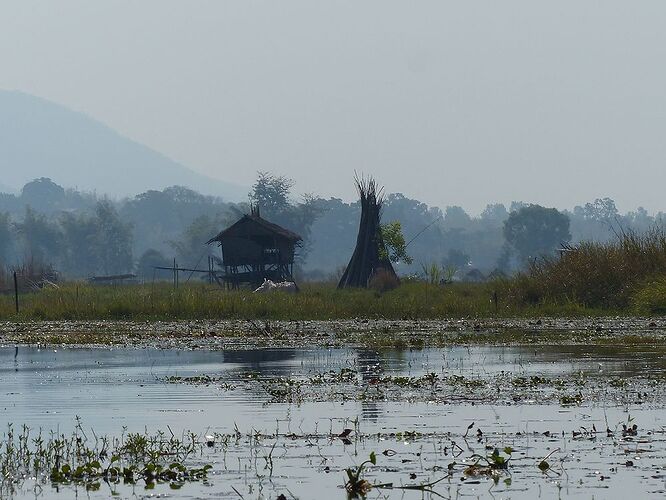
{"points": [[463, 102]]}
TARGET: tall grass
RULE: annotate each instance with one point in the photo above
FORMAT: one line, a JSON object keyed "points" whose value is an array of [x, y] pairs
{"points": [[4, 280], [628, 274], [650, 299], [412, 300], [597, 275]]}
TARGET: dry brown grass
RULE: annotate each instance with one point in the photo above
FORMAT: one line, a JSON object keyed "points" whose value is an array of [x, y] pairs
{"points": [[603, 275], [383, 281]]}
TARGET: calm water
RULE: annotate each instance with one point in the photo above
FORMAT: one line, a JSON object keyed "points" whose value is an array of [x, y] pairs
{"points": [[112, 389]]}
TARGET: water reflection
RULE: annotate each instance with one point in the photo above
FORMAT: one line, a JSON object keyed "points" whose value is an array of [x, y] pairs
{"points": [[112, 389], [48, 387], [260, 360], [370, 365]]}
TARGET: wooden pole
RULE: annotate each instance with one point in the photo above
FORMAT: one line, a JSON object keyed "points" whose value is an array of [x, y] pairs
{"points": [[152, 291], [16, 292], [174, 274]]}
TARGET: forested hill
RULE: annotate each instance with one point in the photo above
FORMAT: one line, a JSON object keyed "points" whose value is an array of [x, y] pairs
{"points": [[39, 138]]}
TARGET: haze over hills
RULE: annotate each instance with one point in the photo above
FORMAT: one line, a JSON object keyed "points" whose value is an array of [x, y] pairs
{"points": [[39, 138], [4, 188]]}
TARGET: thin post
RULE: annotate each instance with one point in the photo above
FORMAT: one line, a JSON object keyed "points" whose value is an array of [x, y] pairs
{"points": [[175, 284], [16, 292], [152, 291]]}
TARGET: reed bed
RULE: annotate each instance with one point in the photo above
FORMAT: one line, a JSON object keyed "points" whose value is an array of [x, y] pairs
{"points": [[412, 300], [618, 275]]}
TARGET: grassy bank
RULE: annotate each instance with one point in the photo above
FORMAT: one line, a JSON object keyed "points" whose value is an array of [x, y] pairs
{"points": [[628, 275], [413, 300]]}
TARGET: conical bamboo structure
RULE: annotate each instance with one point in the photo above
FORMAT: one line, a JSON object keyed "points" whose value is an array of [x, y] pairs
{"points": [[367, 258]]}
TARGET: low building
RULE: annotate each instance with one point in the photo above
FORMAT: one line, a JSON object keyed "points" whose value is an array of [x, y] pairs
{"points": [[254, 249]]}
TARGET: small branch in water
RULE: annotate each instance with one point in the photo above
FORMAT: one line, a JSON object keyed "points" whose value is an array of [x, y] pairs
{"points": [[425, 487]]}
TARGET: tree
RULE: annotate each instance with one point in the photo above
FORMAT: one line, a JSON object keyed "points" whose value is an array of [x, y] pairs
{"points": [[456, 258], [602, 210], [113, 240], [639, 220], [43, 195], [421, 224], [517, 205], [495, 214], [333, 234], [456, 218], [41, 238], [394, 241], [159, 217], [271, 193], [5, 237], [79, 244], [191, 247], [150, 259], [535, 230]]}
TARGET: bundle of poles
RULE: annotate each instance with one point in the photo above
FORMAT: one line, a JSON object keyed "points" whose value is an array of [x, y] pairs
{"points": [[370, 256]]}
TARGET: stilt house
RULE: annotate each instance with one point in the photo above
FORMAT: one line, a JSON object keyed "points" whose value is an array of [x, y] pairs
{"points": [[254, 249]]}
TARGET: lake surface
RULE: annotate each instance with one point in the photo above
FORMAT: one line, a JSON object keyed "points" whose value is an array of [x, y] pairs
{"points": [[113, 391]]}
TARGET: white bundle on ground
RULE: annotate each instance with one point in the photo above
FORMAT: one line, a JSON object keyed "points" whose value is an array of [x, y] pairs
{"points": [[271, 286]]}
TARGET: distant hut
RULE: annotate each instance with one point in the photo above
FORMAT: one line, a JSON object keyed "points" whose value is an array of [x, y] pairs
{"points": [[370, 257], [254, 249]]}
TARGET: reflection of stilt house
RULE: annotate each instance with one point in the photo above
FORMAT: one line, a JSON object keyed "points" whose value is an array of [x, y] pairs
{"points": [[254, 249]]}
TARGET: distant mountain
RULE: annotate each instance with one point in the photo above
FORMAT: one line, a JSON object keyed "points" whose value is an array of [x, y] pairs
{"points": [[39, 138]]}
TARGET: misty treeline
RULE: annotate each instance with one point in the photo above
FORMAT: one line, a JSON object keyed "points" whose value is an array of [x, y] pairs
{"points": [[85, 234]]}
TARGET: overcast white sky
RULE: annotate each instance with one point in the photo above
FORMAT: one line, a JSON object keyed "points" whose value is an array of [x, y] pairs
{"points": [[461, 102]]}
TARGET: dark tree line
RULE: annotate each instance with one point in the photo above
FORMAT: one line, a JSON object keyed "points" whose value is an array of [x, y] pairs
{"points": [[83, 234], [77, 244]]}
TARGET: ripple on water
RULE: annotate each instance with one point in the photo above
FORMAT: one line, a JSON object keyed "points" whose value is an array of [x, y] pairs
{"points": [[115, 388]]}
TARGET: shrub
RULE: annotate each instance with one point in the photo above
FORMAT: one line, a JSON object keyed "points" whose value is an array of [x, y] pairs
{"points": [[650, 299], [383, 281], [602, 275]]}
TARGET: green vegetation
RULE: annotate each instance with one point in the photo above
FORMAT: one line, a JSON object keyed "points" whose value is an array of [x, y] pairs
{"points": [[77, 460], [650, 299], [535, 230], [592, 279], [623, 275], [412, 300], [395, 248]]}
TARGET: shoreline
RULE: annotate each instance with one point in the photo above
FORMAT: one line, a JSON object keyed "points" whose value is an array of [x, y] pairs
{"points": [[242, 334]]}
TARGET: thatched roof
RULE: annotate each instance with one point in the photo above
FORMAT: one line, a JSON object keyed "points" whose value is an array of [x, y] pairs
{"points": [[248, 224]]}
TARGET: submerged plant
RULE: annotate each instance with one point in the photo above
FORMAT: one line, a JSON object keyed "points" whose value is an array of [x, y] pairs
{"points": [[357, 486], [74, 459], [490, 465]]}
